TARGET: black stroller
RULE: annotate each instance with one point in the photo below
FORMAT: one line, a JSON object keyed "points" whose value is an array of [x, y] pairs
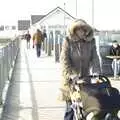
{"points": [[95, 100]]}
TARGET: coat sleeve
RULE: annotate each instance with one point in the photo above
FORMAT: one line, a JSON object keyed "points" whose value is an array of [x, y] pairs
{"points": [[30, 36], [95, 62], [65, 61]]}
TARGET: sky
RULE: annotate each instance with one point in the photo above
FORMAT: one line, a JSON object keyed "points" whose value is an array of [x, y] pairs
{"points": [[106, 12]]}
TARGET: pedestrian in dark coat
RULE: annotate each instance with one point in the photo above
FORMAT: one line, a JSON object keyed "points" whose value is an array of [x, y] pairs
{"points": [[28, 37]]}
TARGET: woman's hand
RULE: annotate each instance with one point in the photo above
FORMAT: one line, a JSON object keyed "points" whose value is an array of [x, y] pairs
{"points": [[75, 79]]}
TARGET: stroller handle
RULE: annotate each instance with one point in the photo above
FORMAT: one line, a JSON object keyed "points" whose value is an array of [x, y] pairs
{"points": [[101, 77]]}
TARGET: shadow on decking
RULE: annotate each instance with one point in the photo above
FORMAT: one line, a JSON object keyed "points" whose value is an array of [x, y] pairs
{"points": [[11, 108]]}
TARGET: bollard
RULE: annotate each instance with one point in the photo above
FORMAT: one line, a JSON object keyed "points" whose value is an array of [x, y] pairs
{"points": [[49, 41], [44, 42], [45, 45], [52, 44], [57, 46], [49, 47], [60, 43], [56, 52]]}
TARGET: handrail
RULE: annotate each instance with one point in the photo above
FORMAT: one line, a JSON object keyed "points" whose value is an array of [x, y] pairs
{"points": [[8, 54]]}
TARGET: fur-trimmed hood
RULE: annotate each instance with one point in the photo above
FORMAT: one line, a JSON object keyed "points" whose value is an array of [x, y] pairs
{"points": [[86, 31]]}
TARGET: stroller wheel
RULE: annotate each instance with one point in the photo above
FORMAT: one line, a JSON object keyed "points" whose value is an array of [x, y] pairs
{"points": [[93, 115], [108, 116], [90, 116]]}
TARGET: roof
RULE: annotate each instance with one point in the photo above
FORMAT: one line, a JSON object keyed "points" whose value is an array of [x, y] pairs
{"points": [[52, 11], [36, 18], [61, 10]]}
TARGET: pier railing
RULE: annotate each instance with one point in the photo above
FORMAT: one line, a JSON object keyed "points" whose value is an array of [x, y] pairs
{"points": [[8, 54]]}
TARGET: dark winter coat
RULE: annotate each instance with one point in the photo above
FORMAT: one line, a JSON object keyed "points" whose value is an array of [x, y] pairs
{"points": [[28, 37], [115, 51]]}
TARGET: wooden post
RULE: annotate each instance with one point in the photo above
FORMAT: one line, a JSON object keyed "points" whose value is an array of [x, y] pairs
{"points": [[60, 43], [49, 43], [43, 45], [45, 42], [57, 55]]}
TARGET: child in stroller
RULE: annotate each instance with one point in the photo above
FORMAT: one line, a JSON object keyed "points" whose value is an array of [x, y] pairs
{"points": [[94, 100]]}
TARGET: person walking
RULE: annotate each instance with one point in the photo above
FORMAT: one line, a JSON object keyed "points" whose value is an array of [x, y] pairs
{"points": [[37, 40], [78, 55], [45, 40], [28, 37]]}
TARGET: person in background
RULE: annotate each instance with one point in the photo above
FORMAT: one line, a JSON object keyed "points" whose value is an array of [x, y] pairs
{"points": [[45, 39], [28, 37], [37, 40], [44, 33], [77, 57], [115, 51]]}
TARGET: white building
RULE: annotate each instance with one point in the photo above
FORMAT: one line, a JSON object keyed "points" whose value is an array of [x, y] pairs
{"points": [[57, 19], [55, 23]]}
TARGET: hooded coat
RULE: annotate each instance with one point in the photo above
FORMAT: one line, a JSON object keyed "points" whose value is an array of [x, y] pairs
{"points": [[78, 55]]}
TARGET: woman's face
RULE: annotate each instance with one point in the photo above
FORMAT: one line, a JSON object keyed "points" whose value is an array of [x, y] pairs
{"points": [[83, 31], [80, 33]]}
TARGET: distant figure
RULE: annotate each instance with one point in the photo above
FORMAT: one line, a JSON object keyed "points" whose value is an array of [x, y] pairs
{"points": [[28, 37], [115, 51], [37, 40], [45, 39], [44, 34]]}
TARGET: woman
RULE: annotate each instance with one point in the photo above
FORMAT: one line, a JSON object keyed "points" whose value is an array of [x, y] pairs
{"points": [[78, 55]]}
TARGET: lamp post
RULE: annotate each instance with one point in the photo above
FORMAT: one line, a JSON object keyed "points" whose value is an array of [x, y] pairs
{"points": [[93, 13], [76, 8], [64, 20]]}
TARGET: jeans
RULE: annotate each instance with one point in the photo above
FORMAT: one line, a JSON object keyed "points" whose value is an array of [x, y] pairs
{"points": [[38, 50], [69, 113], [117, 66]]}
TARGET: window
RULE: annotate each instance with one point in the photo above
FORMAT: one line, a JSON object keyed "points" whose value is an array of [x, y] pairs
{"points": [[13, 27]]}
